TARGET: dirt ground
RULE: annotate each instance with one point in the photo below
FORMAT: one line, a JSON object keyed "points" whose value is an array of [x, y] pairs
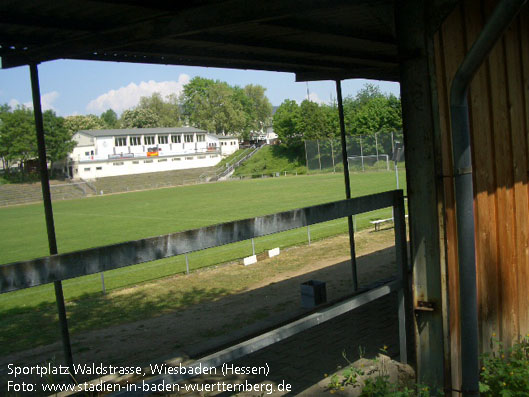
{"points": [[201, 328]]}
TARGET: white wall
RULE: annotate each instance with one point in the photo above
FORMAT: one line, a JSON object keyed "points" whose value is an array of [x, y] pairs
{"points": [[229, 146], [90, 170]]}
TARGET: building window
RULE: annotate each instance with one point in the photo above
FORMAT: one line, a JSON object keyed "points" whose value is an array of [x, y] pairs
{"points": [[120, 141], [118, 163], [87, 153], [201, 157], [201, 138], [162, 160], [176, 138], [212, 157], [87, 169], [147, 161], [163, 139], [135, 162], [135, 140], [189, 158], [99, 168], [188, 138], [177, 159], [149, 139]]}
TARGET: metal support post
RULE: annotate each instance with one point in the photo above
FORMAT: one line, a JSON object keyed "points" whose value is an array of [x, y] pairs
{"points": [[187, 265], [347, 185], [253, 247], [404, 296], [48, 210], [308, 233]]}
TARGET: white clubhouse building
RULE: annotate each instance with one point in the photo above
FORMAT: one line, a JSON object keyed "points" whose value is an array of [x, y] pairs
{"points": [[101, 153]]}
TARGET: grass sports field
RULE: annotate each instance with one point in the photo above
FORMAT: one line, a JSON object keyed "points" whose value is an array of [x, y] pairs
{"points": [[110, 219]]}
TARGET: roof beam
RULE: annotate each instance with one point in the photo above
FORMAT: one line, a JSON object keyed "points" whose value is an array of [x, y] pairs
{"points": [[306, 50], [297, 25], [186, 21]]}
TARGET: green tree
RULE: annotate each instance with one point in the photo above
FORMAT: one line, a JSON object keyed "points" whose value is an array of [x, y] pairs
{"points": [[213, 106], [18, 141], [79, 122], [167, 111], [110, 119], [260, 111], [312, 121], [59, 141], [139, 118], [285, 123]]}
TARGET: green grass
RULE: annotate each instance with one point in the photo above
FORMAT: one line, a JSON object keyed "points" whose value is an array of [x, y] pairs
{"points": [[271, 159], [105, 220]]}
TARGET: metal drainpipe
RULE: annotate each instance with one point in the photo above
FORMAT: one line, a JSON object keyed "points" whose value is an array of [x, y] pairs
{"points": [[500, 19]]}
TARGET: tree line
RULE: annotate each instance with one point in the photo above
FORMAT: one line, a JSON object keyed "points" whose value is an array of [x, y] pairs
{"points": [[212, 105], [367, 113]]}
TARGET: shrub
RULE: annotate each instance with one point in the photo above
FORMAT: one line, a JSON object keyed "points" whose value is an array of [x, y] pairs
{"points": [[506, 373]]}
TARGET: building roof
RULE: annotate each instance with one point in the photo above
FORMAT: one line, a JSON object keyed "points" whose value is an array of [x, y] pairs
{"points": [[315, 39], [141, 131]]}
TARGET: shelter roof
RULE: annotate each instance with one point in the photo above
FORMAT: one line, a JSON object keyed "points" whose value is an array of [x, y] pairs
{"points": [[315, 39]]}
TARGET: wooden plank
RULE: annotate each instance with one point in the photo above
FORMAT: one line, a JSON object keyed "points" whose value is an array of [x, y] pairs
{"points": [[483, 157], [451, 273], [520, 167], [524, 59], [454, 50], [504, 192]]}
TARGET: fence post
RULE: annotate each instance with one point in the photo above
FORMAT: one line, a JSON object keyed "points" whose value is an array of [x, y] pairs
{"points": [[362, 153], [319, 155], [187, 265], [253, 247], [306, 157], [103, 283], [376, 144], [308, 233], [332, 156]]}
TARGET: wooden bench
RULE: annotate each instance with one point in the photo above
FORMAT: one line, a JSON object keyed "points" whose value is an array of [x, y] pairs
{"points": [[379, 222]]}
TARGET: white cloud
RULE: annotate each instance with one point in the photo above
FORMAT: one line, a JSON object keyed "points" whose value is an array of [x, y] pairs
{"points": [[13, 103], [313, 97], [46, 101], [129, 96]]}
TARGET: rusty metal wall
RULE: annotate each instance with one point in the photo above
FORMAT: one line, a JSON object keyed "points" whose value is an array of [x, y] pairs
{"points": [[499, 117]]}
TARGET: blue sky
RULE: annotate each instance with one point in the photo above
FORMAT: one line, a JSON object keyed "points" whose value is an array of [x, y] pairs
{"points": [[83, 87]]}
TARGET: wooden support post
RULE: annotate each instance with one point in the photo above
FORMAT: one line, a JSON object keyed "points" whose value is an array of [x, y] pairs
{"points": [[421, 140]]}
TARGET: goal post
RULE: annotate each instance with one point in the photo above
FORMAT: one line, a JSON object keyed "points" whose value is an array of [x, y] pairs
{"points": [[372, 162]]}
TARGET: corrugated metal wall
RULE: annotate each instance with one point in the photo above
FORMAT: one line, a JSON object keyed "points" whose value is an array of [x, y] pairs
{"points": [[499, 106]]}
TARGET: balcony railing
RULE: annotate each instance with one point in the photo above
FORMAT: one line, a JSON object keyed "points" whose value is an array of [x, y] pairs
{"points": [[25, 274]]}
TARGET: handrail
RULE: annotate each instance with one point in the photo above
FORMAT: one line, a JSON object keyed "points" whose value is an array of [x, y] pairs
{"points": [[24, 274]]}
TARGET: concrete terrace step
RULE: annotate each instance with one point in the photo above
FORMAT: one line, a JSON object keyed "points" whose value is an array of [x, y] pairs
{"points": [[148, 181], [13, 194]]}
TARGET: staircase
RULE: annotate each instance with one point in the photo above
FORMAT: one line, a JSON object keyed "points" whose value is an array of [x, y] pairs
{"points": [[225, 172]]}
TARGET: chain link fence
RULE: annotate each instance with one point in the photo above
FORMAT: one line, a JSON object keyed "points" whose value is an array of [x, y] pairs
{"points": [[373, 152]]}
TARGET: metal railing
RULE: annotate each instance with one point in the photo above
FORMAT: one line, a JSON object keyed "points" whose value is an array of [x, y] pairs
{"points": [[25, 274]]}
